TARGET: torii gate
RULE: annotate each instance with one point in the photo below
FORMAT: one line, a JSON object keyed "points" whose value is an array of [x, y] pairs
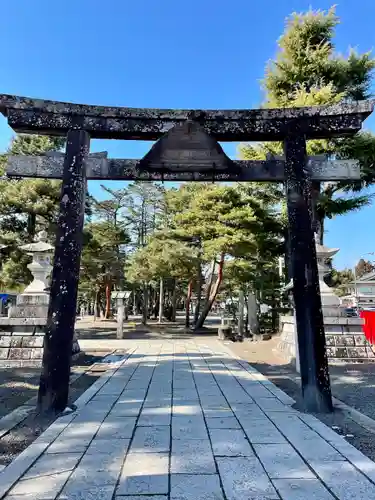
{"points": [[186, 150]]}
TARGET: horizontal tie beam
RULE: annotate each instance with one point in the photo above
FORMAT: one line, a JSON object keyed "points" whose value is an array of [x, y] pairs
{"points": [[99, 167]]}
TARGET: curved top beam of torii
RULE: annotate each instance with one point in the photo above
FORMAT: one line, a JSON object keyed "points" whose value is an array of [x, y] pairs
{"points": [[57, 118]]}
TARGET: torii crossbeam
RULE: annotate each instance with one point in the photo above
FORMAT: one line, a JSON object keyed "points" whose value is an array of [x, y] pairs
{"points": [[99, 167]]}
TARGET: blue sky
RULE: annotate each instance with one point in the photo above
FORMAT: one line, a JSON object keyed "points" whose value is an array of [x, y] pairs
{"points": [[165, 53]]}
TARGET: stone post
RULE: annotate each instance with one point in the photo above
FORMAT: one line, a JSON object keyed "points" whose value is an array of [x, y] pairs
{"points": [[120, 317], [122, 310], [316, 391], [58, 340]]}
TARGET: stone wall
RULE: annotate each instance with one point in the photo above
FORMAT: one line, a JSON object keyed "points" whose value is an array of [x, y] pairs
{"points": [[24, 342], [19, 347], [345, 339]]}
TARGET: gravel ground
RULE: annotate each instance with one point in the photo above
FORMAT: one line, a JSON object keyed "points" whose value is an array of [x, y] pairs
{"points": [[354, 384], [19, 385]]}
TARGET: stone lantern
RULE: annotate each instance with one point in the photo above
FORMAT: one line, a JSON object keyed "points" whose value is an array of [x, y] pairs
{"points": [[330, 301], [33, 302], [22, 333]]}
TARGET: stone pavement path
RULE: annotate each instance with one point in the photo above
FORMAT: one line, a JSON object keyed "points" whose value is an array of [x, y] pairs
{"points": [[185, 420]]}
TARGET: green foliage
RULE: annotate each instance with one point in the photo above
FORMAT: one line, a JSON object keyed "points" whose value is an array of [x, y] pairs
{"points": [[163, 257], [205, 222], [145, 210], [307, 71], [224, 219], [338, 280], [24, 144], [307, 60], [104, 251], [26, 206]]}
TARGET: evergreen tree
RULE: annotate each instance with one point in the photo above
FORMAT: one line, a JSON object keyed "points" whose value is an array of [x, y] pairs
{"points": [[103, 257], [209, 225], [307, 71], [338, 280], [26, 206]]}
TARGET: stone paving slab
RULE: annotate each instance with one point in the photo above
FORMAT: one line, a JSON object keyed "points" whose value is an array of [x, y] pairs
{"points": [[230, 443], [192, 456], [55, 464], [151, 440], [115, 427], [39, 488], [192, 487], [281, 461], [302, 489], [244, 477], [186, 420], [144, 473], [84, 492], [222, 423], [189, 427], [344, 480], [142, 497]]}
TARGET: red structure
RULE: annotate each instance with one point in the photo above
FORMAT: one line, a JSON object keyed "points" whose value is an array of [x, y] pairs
{"points": [[369, 325]]}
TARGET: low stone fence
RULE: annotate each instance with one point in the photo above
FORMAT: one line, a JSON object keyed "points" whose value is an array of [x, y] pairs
{"points": [[345, 339], [22, 340]]}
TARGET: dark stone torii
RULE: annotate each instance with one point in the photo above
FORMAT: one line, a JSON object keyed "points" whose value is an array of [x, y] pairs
{"points": [[188, 150]]}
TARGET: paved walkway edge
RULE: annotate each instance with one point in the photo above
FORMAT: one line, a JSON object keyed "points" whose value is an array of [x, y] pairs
{"points": [[358, 417], [17, 468], [19, 414]]}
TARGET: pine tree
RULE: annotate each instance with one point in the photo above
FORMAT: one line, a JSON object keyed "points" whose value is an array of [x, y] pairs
{"points": [[307, 71], [103, 257], [217, 225], [26, 206]]}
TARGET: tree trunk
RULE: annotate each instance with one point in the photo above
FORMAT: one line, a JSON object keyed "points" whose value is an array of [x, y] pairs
{"points": [[241, 309], [188, 301], [287, 258], [210, 283], [274, 315], [134, 302], [161, 300], [145, 304], [199, 293], [246, 323], [315, 219], [214, 292], [108, 288], [320, 230], [174, 300], [31, 225], [252, 311], [96, 306]]}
